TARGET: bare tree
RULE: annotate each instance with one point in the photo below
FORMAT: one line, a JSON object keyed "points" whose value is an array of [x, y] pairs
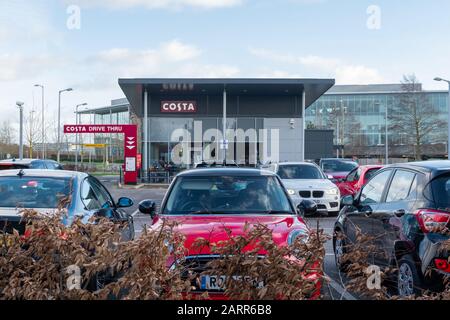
{"points": [[32, 131], [6, 133], [415, 115]]}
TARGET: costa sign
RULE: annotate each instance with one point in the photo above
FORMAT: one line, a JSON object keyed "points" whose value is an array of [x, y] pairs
{"points": [[130, 143], [178, 106]]}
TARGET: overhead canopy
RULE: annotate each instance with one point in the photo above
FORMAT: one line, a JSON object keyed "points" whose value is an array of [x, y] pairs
{"points": [[134, 88]]}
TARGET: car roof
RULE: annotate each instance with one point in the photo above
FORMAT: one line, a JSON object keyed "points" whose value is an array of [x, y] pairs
{"points": [[337, 159], [42, 173], [23, 161], [297, 163], [217, 172], [17, 161], [436, 167], [371, 166]]}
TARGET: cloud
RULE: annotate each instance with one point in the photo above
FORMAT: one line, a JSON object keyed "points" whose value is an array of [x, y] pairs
{"points": [[344, 73], [158, 4], [17, 66]]}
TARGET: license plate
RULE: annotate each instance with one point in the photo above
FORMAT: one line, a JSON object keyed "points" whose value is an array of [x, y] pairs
{"points": [[217, 283]]}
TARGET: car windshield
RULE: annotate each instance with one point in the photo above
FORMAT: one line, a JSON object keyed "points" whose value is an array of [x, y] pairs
{"points": [[338, 166], [300, 172], [441, 191], [227, 195], [33, 193]]}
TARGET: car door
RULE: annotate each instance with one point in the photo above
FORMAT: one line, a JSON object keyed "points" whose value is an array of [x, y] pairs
{"points": [[108, 206], [347, 187], [358, 217], [387, 220]]}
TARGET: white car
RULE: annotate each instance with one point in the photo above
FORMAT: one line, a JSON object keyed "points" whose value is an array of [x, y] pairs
{"points": [[304, 180]]}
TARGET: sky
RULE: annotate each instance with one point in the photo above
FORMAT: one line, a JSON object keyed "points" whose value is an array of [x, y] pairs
{"points": [[89, 44]]}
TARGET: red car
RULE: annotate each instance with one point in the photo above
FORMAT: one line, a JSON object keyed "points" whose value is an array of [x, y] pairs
{"points": [[356, 179], [206, 203]]}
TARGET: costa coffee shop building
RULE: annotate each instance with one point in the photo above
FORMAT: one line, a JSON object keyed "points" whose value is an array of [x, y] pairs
{"points": [[161, 106]]}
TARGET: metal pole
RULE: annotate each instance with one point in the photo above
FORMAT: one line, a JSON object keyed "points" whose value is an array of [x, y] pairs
{"points": [[303, 157], [76, 140], [43, 122], [224, 125], [448, 152], [21, 133], [145, 155], [59, 129], [387, 137]]}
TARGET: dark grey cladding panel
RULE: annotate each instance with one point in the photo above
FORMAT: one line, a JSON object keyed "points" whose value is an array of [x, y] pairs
{"points": [[273, 106], [319, 144]]}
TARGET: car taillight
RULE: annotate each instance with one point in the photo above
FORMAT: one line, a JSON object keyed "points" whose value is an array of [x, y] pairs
{"points": [[433, 221], [442, 264]]}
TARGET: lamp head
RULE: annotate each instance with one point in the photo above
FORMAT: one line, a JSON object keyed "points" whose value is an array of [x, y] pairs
{"points": [[20, 104], [438, 79]]}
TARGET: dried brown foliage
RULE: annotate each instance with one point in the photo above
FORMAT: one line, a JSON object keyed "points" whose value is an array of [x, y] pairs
{"points": [[358, 259], [290, 272], [37, 266]]}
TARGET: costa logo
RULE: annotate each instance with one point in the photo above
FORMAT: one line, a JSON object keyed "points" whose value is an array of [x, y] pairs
{"points": [[179, 106]]}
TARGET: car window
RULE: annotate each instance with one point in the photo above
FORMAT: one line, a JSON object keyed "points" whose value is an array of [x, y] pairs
{"points": [[338, 165], [53, 165], [228, 195], [352, 175], [34, 192], [89, 197], [400, 186], [300, 171], [370, 173], [38, 165], [373, 191], [102, 195]]}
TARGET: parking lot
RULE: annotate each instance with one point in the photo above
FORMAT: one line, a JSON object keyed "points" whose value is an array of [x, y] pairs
{"points": [[333, 291]]}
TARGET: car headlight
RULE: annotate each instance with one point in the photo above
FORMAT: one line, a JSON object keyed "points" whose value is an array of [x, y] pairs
{"points": [[291, 192], [333, 192], [294, 235]]}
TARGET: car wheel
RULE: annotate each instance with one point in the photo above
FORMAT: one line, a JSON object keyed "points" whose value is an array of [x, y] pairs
{"points": [[339, 252], [409, 280]]}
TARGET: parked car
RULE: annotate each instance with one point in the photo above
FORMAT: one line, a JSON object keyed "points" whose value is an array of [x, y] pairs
{"points": [[404, 207], [206, 203], [337, 168], [29, 164], [42, 190], [305, 180], [356, 179]]}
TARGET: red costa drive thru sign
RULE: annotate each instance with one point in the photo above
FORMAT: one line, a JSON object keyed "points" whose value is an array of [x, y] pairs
{"points": [[178, 106], [130, 141]]}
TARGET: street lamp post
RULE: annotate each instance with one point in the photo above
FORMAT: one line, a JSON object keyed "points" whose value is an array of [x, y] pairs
{"points": [[59, 122], [43, 120], [77, 135], [20, 106], [448, 82]]}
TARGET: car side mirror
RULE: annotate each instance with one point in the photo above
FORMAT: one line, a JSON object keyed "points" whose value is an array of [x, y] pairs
{"points": [[330, 177], [307, 207], [148, 207], [124, 202], [348, 201]]}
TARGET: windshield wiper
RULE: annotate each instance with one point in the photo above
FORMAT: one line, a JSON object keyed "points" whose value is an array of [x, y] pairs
{"points": [[276, 212], [205, 212]]}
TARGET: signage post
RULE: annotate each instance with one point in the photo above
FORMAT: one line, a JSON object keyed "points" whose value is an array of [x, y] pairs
{"points": [[130, 141]]}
